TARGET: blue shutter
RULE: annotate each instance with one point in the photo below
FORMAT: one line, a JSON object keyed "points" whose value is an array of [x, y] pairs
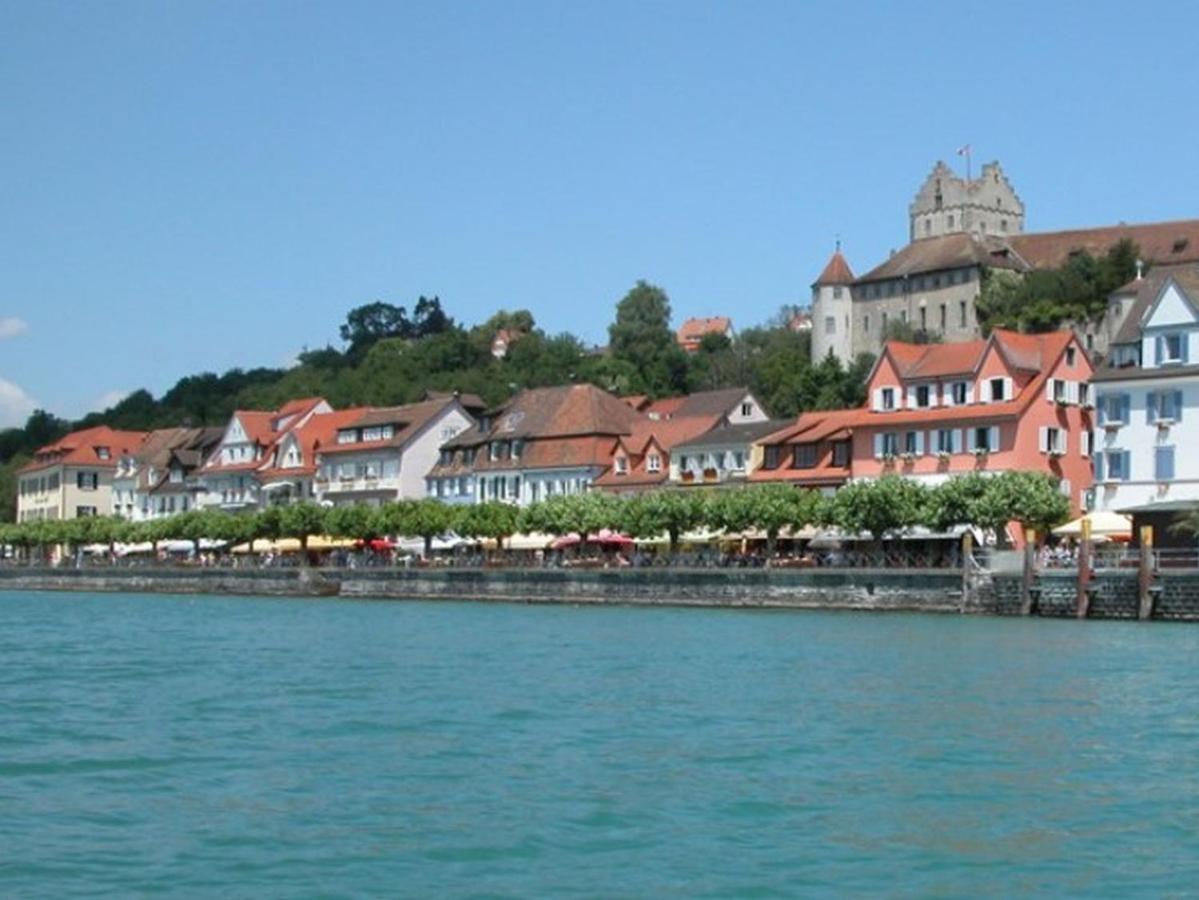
{"points": [[1178, 406], [1101, 407], [1158, 351], [1125, 407], [1151, 407], [1163, 463], [1099, 466], [1125, 465], [1168, 409], [1186, 346]]}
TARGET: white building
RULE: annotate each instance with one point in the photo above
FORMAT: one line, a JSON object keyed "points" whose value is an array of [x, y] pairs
{"points": [[385, 454], [1147, 395], [229, 475]]}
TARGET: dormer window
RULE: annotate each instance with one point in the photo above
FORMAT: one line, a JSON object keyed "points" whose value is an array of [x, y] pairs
{"points": [[960, 391], [653, 462], [888, 398], [747, 409], [1070, 356], [347, 436], [518, 447], [998, 390], [103, 453], [622, 465], [923, 396]]}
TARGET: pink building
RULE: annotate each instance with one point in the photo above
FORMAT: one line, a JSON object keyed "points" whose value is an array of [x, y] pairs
{"points": [[1010, 402]]}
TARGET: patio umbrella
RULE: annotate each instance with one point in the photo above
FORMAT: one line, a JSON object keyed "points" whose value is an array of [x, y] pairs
{"points": [[604, 538], [1103, 524]]}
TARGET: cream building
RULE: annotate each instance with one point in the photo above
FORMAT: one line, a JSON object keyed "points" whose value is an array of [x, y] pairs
{"points": [[73, 477]]}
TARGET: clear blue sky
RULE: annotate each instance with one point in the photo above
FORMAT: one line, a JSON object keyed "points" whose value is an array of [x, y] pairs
{"points": [[195, 186]]}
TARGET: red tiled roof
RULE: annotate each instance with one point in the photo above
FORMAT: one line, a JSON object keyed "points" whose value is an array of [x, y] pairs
{"points": [[1158, 242], [81, 448], [836, 271], [692, 331]]}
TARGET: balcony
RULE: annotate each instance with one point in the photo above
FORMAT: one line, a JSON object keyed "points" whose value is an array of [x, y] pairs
{"points": [[363, 483]]}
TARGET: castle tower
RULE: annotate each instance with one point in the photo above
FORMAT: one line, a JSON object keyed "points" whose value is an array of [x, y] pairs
{"points": [[947, 204], [832, 310]]}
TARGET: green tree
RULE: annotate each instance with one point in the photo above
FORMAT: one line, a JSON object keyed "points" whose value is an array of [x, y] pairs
{"points": [[641, 335], [492, 519], [354, 521], [1032, 499], [302, 521], [885, 506], [769, 508], [668, 512], [426, 519]]}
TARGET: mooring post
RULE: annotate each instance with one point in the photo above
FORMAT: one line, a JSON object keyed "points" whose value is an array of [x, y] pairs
{"points": [[1026, 580], [967, 574], [1145, 574], [1084, 570]]}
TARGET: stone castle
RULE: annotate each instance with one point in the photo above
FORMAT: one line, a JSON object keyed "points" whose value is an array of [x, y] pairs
{"points": [[958, 228]]}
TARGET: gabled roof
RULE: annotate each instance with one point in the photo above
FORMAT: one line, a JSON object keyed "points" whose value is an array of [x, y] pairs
{"points": [[408, 420], [1148, 290], [703, 403], [725, 433], [836, 270], [83, 448], [948, 251], [555, 412], [1027, 352]]}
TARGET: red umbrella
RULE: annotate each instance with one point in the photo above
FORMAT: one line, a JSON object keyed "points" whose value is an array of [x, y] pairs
{"points": [[604, 538], [378, 544]]}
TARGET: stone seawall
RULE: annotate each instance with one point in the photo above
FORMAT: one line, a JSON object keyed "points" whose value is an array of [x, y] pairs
{"points": [[927, 590], [1113, 593]]}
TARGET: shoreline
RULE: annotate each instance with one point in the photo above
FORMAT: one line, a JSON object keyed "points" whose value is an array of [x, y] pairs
{"points": [[946, 591]]}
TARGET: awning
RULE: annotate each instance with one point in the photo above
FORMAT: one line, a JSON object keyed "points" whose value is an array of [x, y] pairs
{"points": [[278, 485]]}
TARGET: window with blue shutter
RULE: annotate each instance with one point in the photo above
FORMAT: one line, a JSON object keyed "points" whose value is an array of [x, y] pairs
{"points": [[1151, 407], [1163, 463], [1178, 406], [1170, 405], [1101, 407], [1125, 408]]}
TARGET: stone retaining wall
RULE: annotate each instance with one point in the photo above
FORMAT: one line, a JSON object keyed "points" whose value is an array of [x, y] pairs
{"points": [[931, 590]]}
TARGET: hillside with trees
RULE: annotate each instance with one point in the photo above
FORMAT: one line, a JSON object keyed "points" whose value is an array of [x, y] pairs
{"points": [[390, 355]]}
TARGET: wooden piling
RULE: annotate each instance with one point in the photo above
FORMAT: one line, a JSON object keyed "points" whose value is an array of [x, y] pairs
{"points": [[1083, 603], [967, 574], [1145, 574], [1029, 573]]}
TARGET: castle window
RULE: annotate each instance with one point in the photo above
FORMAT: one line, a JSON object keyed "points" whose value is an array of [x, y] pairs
{"points": [[830, 325], [943, 316], [837, 292], [1003, 224], [866, 324], [962, 313]]}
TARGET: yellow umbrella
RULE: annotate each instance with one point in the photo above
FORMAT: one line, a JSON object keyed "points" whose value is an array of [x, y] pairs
{"points": [[1103, 524], [292, 545]]}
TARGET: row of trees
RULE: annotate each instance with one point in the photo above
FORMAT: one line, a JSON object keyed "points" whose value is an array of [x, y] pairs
{"points": [[879, 508]]}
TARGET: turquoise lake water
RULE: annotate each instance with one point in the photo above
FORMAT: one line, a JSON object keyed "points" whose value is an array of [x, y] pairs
{"points": [[255, 747]]}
